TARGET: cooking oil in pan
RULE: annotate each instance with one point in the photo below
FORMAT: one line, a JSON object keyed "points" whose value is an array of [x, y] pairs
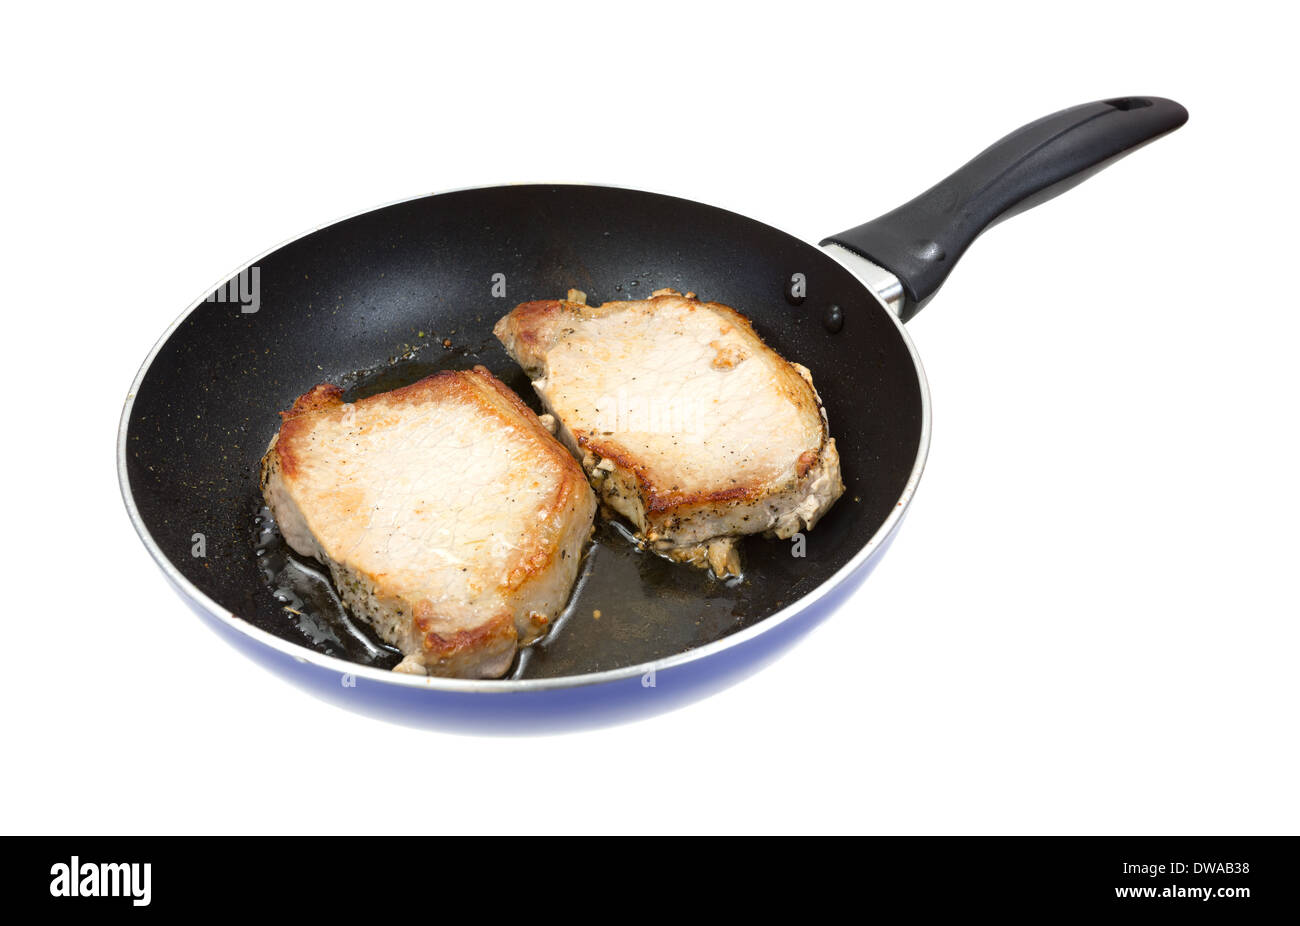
{"points": [[309, 602], [626, 607]]}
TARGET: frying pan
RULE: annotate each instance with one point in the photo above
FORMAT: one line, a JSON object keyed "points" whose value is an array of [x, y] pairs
{"points": [[386, 297]]}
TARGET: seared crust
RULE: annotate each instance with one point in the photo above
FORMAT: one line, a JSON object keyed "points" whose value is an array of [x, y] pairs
{"points": [[744, 449], [449, 517]]}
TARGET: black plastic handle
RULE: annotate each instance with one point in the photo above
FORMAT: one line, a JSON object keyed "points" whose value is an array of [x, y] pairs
{"points": [[919, 242]]}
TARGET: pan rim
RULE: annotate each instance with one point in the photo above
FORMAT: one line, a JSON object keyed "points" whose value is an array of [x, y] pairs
{"points": [[303, 654]]}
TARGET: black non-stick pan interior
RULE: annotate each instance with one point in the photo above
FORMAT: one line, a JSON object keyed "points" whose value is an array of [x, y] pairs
{"points": [[384, 298]]}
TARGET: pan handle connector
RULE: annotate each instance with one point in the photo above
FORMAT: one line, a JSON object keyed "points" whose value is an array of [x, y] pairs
{"points": [[920, 241]]}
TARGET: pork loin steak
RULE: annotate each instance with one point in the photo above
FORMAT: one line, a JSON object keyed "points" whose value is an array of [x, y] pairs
{"points": [[685, 422], [449, 517]]}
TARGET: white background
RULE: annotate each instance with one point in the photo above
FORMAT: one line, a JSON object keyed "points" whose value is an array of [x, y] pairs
{"points": [[1088, 623]]}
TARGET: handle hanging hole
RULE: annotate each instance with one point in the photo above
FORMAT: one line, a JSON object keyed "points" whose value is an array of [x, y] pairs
{"points": [[1129, 102]]}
